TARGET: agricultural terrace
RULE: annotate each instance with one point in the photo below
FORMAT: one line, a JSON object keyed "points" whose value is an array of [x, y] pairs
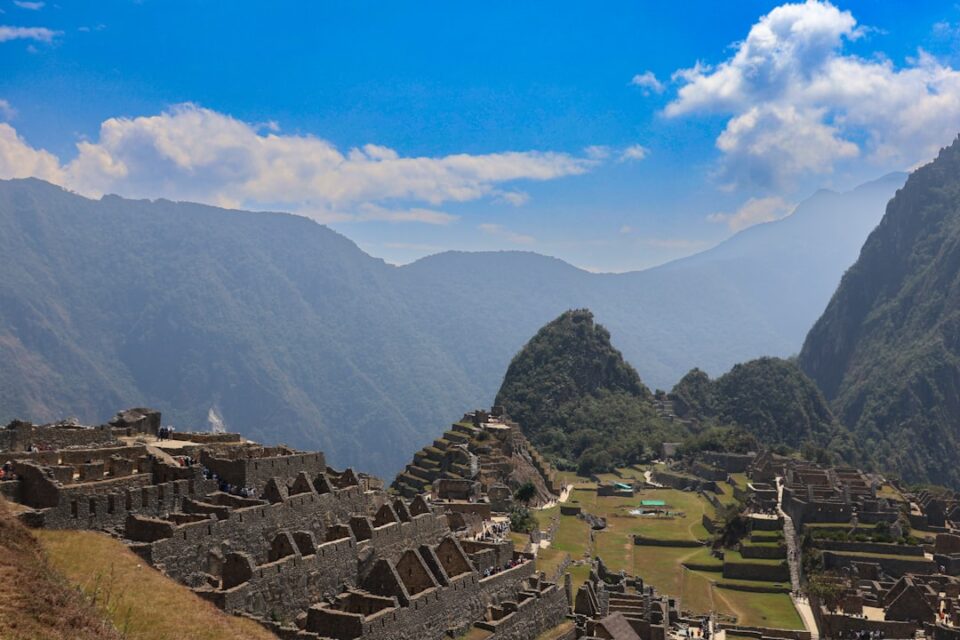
{"points": [[689, 573]]}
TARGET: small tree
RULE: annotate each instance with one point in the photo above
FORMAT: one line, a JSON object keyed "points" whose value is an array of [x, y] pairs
{"points": [[522, 520], [733, 526], [525, 492], [827, 588]]}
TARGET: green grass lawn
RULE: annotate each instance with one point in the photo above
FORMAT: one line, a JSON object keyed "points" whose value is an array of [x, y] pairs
{"points": [[549, 559], [727, 497], [663, 568], [520, 540], [759, 609]]}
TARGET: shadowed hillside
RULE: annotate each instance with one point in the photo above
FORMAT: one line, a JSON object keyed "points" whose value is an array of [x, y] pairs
{"points": [[772, 400], [886, 351]]}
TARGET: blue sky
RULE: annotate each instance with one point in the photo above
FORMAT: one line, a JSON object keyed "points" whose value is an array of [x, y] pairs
{"points": [[561, 128]]}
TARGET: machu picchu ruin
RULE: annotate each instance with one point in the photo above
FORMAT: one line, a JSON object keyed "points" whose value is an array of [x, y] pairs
{"points": [[275, 535]]}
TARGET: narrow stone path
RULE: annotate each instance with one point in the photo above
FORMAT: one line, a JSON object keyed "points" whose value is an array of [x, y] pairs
{"points": [[793, 560], [648, 476], [790, 534]]}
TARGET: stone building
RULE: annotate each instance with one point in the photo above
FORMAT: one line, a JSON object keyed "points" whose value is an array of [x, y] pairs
{"points": [[276, 535]]}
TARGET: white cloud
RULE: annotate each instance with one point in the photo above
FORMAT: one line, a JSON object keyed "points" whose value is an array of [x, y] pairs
{"points": [[516, 198], [512, 237], [20, 160], [648, 82], [7, 112], [191, 153], [753, 211], [626, 229], [634, 152], [798, 104], [368, 211], [597, 152], [31, 6], [40, 34]]}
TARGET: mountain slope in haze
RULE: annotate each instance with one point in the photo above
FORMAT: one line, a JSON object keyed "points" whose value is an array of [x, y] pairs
{"points": [[769, 398], [282, 327], [755, 294], [886, 351], [576, 398], [289, 332]]}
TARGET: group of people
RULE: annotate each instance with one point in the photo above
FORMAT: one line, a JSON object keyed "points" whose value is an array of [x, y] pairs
{"points": [[863, 634], [6, 472], [492, 571], [242, 492], [165, 433], [495, 532]]}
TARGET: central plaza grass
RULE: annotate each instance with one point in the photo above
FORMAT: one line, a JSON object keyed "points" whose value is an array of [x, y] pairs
{"points": [[663, 567]]}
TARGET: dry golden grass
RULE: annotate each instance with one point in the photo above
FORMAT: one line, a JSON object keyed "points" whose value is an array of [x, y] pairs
{"points": [[142, 603], [36, 602]]}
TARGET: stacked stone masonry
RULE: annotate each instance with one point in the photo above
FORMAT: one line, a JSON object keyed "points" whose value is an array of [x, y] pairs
{"points": [[278, 536]]}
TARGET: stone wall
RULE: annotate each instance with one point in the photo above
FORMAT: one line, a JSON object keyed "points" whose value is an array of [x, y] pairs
{"points": [[913, 550], [756, 571], [102, 504], [729, 462], [680, 481], [708, 472], [283, 588], [894, 565], [530, 617], [250, 529], [254, 472], [19, 436], [206, 437]]}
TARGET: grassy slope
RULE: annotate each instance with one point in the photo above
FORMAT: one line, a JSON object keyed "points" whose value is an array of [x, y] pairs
{"points": [[137, 598], [37, 603]]}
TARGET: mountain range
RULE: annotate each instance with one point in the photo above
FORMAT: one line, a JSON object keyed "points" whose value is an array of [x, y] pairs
{"points": [[283, 329]]}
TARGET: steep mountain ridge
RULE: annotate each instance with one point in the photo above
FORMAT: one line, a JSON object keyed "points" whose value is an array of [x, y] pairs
{"points": [[289, 332], [886, 351], [576, 398]]}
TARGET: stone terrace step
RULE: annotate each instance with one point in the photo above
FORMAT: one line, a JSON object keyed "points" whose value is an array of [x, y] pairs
{"points": [[467, 429], [414, 470], [456, 436]]}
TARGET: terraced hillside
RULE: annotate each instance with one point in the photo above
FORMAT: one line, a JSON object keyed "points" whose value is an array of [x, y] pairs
{"points": [[483, 447]]}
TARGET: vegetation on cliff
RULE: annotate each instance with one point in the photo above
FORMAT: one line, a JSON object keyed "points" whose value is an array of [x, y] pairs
{"points": [[768, 398], [886, 351], [578, 400]]}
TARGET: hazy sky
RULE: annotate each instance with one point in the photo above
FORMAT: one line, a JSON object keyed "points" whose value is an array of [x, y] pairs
{"points": [[612, 135]]}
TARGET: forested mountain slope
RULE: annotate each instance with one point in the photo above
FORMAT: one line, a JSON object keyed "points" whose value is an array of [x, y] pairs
{"points": [[577, 399], [886, 351], [771, 399]]}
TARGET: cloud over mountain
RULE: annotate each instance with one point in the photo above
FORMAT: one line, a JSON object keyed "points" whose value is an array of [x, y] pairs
{"points": [[191, 153], [798, 103]]}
